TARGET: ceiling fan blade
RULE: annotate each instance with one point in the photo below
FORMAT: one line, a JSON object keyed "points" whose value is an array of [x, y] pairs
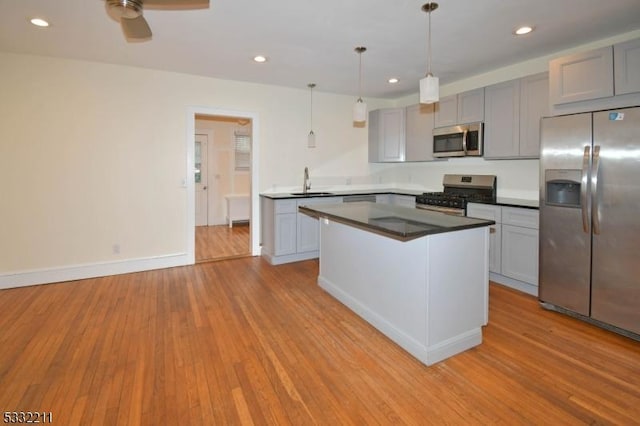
{"points": [[136, 28], [176, 4]]}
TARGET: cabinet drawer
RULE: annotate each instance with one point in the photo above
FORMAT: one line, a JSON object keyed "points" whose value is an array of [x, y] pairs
{"points": [[285, 206], [527, 218], [485, 211]]}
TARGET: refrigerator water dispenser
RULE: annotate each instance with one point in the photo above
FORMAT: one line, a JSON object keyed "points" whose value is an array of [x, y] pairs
{"points": [[563, 188]]}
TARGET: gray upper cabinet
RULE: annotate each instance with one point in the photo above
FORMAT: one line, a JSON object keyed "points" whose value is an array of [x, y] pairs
{"points": [[387, 135], [401, 134], [513, 110], [471, 106], [626, 58], [419, 132], [466, 107], [502, 125], [534, 104], [581, 76]]}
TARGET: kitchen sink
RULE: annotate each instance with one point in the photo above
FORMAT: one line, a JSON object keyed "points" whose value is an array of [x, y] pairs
{"points": [[310, 194]]}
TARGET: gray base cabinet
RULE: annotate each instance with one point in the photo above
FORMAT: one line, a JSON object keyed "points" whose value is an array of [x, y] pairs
{"points": [[289, 236], [513, 245]]}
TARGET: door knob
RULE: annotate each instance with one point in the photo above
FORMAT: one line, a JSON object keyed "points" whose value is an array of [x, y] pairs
{"points": [[204, 188]]}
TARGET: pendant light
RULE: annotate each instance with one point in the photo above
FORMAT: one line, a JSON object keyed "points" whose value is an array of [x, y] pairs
{"points": [[360, 108], [429, 90], [311, 139]]}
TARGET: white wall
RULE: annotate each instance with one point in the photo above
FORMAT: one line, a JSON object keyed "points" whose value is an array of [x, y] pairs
{"points": [[93, 156]]}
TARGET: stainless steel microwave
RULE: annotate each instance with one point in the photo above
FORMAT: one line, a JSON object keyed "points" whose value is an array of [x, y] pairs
{"points": [[458, 141]]}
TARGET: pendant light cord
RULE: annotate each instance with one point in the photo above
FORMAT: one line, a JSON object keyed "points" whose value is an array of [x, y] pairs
{"points": [[311, 108], [429, 44], [360, 77]]}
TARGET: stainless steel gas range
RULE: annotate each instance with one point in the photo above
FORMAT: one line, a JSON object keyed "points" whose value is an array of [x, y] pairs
{"points": [[458, 191]]}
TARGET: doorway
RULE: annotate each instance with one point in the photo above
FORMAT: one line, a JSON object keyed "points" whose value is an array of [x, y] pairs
{"points": [[223, 181]]}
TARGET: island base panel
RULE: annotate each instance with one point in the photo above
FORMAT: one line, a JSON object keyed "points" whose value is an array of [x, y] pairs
{"points": [[417, 292]]}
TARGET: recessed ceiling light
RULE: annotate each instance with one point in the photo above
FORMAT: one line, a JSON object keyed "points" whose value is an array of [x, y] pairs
{"points": [[523, 30], [39, 22], [393, 80], [260, 58]]}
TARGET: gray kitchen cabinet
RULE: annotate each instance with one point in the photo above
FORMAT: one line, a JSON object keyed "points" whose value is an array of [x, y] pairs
{"points": [[419, 132], [308, 229], [502, 124], [626, 65], [534, 104], [581, 76], [513, 110], [278, 226], [490, 212], [289, 236], [387, 135], [520, 244], [513, 245], [465, 107], [401, 134]]}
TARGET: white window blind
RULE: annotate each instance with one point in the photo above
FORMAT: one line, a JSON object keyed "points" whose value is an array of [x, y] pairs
{"points": [[242, 149]]}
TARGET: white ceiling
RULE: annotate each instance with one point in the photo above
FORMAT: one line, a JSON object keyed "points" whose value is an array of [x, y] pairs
{"points": [[312, 41]]}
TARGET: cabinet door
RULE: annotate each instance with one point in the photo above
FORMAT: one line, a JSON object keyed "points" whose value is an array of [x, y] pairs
{"points": [[285, 234], [471, 106], [502, 124], [626, 57], [534, 104], [489, 212], [387, 132], [419, 132], [520, 253], [446, 111], [308, 228], [495, 248], [582, 76]]}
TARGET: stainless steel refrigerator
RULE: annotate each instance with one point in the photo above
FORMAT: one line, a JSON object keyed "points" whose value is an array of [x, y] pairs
{"points": [[590, 217]]}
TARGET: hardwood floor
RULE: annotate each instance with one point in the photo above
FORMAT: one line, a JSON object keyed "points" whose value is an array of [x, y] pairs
{"points": [[221, 242], [242, 342]]}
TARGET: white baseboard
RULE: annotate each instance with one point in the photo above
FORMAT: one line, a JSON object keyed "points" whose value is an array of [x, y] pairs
{"points": [[78, 272]]}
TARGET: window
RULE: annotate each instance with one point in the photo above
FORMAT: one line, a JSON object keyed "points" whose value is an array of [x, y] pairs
{"points": [[242, 150]]}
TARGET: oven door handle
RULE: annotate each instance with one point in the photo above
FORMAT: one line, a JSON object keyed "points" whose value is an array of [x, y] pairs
{"points": [[464, 141]]}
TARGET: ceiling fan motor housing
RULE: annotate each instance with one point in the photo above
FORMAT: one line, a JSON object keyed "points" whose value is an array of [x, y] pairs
{"points": [[128, 9]]}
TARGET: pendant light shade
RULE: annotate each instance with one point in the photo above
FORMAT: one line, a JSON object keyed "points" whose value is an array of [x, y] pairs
{"points": [[429, 90], [430, 85], [311, 138], [359, 111], [360, 107]]}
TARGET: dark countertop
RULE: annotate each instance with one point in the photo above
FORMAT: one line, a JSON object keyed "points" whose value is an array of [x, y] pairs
{"points": [[397, 222], [284, 195], [501, 201]]}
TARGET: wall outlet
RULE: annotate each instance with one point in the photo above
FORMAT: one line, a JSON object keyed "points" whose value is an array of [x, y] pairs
{"points": [[116, 249]]}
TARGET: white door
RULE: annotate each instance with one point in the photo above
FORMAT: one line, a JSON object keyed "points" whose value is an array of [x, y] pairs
{"points": [[202, 199]]}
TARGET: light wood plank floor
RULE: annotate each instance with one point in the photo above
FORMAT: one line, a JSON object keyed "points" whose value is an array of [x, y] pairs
{"points": [[242, 342], [221, 242]]}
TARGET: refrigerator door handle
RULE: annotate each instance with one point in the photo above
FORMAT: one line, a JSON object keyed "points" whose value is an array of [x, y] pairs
{"points": [[594, 190], [584, 203]]}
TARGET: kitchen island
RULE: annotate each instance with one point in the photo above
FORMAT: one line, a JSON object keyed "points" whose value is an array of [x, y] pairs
{"points": [[419, 277]]}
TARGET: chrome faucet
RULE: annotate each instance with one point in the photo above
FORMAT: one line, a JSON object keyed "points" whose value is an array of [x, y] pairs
{"points": [[306, 185]]}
